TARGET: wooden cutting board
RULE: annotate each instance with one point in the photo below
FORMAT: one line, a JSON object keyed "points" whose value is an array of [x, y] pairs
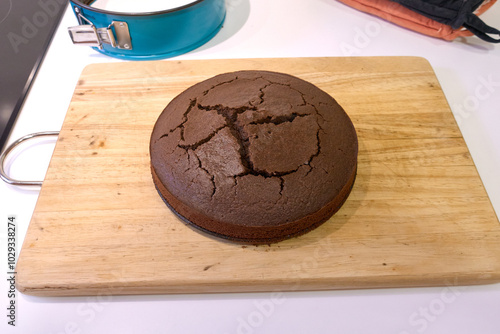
{"points": [[418, 214]]}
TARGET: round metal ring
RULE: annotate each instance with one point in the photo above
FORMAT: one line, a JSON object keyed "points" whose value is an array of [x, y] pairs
{"points": [[3, 156]]}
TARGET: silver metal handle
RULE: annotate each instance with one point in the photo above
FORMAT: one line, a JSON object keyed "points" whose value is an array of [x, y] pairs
{"points": [[9, 149]]}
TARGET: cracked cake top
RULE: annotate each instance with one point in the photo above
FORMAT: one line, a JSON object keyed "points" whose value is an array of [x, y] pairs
{"points": [[253, 150]]}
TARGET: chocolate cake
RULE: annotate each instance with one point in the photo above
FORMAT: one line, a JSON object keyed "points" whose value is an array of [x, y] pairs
{"points": [[254, 156]]}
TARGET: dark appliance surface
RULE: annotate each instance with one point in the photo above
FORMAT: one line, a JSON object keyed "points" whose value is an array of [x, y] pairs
{"points": [[26, 30]]}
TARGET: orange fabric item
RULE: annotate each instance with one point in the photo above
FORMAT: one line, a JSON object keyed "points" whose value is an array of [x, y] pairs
{"points": [[404, 17]]}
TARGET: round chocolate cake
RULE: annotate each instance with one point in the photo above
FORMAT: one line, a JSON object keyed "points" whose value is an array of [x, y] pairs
{"points": [[254, 156]]}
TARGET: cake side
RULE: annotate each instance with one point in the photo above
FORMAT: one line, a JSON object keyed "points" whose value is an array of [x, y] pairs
{"points": [[251, 234]]}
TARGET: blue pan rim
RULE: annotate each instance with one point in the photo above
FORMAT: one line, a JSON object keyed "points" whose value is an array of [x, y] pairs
{"points": [[161, 12]]}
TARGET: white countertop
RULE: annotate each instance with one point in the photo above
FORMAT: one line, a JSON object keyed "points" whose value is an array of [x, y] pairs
{"points": [[470, 77]]}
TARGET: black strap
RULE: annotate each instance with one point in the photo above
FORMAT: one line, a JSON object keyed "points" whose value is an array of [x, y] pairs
{"points": [[475, 25]]}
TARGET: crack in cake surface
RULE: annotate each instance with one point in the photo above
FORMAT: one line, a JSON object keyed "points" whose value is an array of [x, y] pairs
{"points": [[276, 120], [212, 177], [202, 141], [181, 125]]}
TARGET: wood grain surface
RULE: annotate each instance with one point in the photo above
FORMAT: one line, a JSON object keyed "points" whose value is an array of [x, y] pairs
{"points": [[418, 214]]}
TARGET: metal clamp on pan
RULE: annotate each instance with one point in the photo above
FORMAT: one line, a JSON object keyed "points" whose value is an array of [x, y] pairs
{"points": [[151, 35]]}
